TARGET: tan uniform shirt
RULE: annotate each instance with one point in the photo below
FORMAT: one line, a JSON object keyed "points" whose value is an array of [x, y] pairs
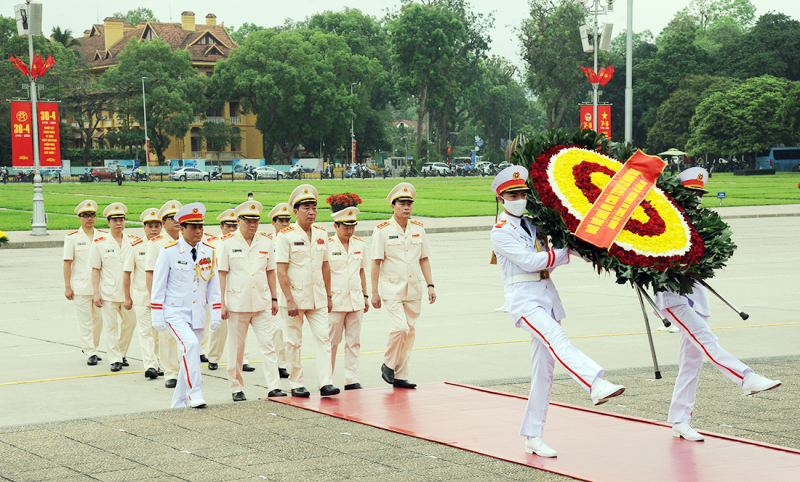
{"points": [[400, 251], [346, 273], [107, 256], [133, 262], [76, 249], [246, 286], [305, 257], [153, 248]]}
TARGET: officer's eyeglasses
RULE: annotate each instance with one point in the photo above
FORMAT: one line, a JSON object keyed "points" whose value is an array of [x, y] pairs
{"points": [[87, 215]]}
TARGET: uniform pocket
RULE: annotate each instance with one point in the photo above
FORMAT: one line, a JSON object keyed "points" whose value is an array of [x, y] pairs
{"points": [[171, 301]]}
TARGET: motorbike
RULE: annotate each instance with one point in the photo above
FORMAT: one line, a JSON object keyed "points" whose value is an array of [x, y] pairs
{"points": [[4, 177], [412, 172], [249, 177], [216, 176], [140, 176]]}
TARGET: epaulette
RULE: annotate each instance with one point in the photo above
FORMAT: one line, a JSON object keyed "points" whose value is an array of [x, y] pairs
{"points": [[330, 239], [211, 238], [417, 222], [137, 242], [358, 238], [286, 230], [169, 245], [156, 238], [266, 235], [134, 236], [99, 239], [226, 236], [319, 227], [500, 224], [209, 245], [70, 234], [382, 225], [103, 231]]}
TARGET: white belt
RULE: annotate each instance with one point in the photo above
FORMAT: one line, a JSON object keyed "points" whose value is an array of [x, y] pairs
{"points": [[522, 278]]}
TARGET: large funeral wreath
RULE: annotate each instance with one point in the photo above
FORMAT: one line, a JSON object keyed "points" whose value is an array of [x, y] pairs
{"points": [[668, 242]]}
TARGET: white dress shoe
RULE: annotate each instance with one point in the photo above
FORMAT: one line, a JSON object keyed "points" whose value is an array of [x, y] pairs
{"points": [[671, 328], [535, 445], [199, 403], [754, 383], [685, 431], [502, 308], [602, 390]]}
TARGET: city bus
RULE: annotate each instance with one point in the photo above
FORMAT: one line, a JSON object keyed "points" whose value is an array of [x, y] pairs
{"points": [[779, 158]]}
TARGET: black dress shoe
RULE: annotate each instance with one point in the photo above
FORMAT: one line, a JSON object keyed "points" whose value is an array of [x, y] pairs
{"points": [[277, 393], [151, 373], [116, 366], [92, 360], [248, 368], [203, 359], [171, 383], [353, 386], [300, 392], [283, 373], [125, 362], [403, 384], [387, 374], [239, 397], [98, 358], [328, 390], [160, 372], [212, 366]]}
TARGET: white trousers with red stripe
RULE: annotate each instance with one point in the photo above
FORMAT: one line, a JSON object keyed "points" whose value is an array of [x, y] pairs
{"points": [[550, 345], [190, 381], [697, 340]]}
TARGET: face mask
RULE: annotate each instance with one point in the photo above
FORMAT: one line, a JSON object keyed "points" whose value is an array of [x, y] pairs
{"points": [[516, 208]]}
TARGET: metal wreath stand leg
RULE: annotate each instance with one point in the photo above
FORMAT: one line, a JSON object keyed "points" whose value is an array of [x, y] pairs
{"points": [[642, 293]]}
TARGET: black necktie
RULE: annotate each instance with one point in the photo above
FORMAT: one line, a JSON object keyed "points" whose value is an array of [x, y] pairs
{"points": [[525, 227], [194, 254]]}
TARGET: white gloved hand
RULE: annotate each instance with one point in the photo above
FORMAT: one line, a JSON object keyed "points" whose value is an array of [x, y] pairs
{"points": [[572, 252], [215, 324], [160, 325]]}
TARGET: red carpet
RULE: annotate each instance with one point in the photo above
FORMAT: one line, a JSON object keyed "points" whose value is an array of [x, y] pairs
{"points": [[591, 445]]}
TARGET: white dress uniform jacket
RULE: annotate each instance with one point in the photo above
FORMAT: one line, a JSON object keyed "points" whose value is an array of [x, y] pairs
{"points": [[182, 287], [400, 251], [305, 257], [133, 262], [246, 287], [76, 249], [108, 256], [346, 268]]}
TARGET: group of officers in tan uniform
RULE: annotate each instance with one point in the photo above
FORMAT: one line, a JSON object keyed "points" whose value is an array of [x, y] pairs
{"points": [[270, 282]]}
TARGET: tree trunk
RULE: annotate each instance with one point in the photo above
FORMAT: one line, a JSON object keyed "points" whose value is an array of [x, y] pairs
{"points": [[423, 99]]}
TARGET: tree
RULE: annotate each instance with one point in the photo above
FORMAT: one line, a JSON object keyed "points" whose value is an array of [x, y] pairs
{"points": [[136, 15], [743, 119], [240, 34], [552, 50], [218, 135], [772, 47], [64, 37], [789, 114], [174, 89]]}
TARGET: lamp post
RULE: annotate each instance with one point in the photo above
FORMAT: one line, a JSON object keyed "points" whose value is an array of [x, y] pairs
{"points": [[352, 125], [146, 139], [629, 77]]}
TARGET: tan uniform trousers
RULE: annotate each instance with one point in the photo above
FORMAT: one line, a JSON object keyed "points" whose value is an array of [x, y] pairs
{"points": [[403, 315], [318, 321], [147, 336], [118, 333], [237, 335], [278, 328], [348, 323], [215, 343], [168, 354], [90, 323]]}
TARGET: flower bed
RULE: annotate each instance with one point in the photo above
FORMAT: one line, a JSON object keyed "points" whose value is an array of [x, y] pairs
{"points": [[337, 202]]}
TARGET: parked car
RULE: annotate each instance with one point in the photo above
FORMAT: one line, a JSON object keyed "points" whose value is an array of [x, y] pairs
{"points": [[484, 167], [435, 169], [103, 173], [503, 165], [266, 172], [354, 171], [189, 174]]}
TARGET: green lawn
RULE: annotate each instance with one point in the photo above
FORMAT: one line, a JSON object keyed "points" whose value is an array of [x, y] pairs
{"points": [[450, 197]]}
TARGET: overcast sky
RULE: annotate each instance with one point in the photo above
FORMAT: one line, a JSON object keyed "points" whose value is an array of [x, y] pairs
{"points": [[79, 15]]}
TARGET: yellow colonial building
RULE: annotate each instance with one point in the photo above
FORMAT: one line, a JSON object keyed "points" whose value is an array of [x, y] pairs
{"points": [[207, 43]]}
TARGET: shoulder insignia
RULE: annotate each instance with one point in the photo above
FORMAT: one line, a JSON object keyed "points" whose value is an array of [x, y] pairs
{"points": [[319, 227], [209, 245], [136, 242], [286, 230], [102, 230], [73, 232], [417, 222], [226, 236], [358, 238], [99, 239], [266, 235], [382, 225], [211, 238], [134, 236], [156, 238], [169, 245], [500, 224]]}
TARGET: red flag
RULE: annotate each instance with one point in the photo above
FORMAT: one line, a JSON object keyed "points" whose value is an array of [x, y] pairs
{"points": [[590, 74], [47, 64], [20, 65], [606, 75]]}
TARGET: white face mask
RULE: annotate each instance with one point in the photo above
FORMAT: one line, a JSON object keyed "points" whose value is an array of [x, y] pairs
{"points": [[516, 208]]}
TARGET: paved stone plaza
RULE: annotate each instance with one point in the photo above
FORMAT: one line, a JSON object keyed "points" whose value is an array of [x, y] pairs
{"points": [[64, 420]]}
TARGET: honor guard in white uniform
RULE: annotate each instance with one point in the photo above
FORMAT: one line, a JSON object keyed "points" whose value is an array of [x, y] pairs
{"points": [[106, 259], [305, 279], [185, 280], [214, 342], [347, 259], [400, 251], [167, 347], [247, 280], [78, 279], [526, 262], [690, 313], [281, 216], [136, 294]]}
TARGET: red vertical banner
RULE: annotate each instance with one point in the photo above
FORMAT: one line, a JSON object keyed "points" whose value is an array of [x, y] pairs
{"points": [[354, 152], [603, 119], [586, 117], [21, 134], [49, 138]]}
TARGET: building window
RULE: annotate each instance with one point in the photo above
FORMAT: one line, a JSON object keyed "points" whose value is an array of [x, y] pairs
{"points": [[197, 142], [234, 108], [207, 40], [214, 112]]}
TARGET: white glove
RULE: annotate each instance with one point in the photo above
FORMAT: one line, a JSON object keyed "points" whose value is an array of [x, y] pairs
{"points": [[215, 324], [572, 252], [160, 325]]}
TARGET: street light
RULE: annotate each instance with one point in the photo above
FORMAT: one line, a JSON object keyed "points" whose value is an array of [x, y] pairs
{"points": [[352, 125], [146, 139], [595, 4]]}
